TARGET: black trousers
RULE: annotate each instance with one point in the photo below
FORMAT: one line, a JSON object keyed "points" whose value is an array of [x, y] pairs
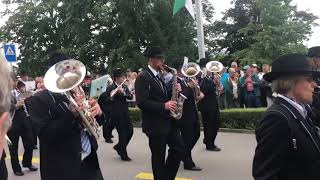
{"points": [[23, 130], [211, 123], [125, 131], [3, 168], [190, 132], [166, 169], [108, 127]]}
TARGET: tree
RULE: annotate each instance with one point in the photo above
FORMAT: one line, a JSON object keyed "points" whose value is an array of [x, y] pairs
{"points": [[112, 32], [259, 31]]}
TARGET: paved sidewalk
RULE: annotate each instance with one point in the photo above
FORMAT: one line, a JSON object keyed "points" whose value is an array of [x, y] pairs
{"points": [[232, 163]]}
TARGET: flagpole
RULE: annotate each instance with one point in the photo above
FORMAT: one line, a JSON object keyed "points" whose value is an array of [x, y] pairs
{"points": [[200, 33]]}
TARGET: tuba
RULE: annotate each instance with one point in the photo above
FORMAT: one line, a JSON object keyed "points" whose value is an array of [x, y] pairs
{"points": [[66, 76], [178, 97], [191, 70]]}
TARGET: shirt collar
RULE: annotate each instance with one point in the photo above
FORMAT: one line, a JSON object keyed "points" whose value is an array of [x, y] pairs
{"points": [[154, 72], [301, 109]]}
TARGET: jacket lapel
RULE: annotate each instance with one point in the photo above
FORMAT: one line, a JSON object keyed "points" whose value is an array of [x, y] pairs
{"points": [[306, 126]]}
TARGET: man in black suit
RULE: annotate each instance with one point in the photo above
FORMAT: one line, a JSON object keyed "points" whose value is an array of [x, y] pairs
{"points": [[189, 125], [154, 101], [6, 109], [21, 127], [209, 108], [314, 57], [67, 150], [116, 98]]}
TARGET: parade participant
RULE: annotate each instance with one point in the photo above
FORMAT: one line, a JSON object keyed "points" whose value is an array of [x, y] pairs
{"points": [[154, 101], [209, 107], [288, 143], [5, 120], [67, 151], [116, 98], [314, 57], [21, 127], [189, 125]]}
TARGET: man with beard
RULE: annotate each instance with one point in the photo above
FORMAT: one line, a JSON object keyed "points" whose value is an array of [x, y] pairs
{"points": [[154, 101]]}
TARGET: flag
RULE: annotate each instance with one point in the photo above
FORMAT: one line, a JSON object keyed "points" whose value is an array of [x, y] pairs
{"points": [[179, 4]]}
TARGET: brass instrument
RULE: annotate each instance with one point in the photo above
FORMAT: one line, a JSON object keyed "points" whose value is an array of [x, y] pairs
{"points": [[176, 96], [214, 66], [190, 70], [66, 76], [114, 92]]}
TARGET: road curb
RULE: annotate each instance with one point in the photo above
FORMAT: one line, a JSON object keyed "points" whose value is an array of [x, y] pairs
{"points": [[227, 130]]}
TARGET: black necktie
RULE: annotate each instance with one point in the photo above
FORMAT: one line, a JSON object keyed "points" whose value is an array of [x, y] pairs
{"points": [[160, 81]]}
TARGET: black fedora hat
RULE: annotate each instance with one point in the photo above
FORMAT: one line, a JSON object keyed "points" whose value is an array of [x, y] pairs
{"points": [[314, 52], [118, 72], [154, 52], [289, 65]]}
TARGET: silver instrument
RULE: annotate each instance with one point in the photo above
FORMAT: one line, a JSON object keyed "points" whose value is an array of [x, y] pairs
{"points": [[214, 66], [66, 76], [190, 70], [176, 96], [114, 92]]}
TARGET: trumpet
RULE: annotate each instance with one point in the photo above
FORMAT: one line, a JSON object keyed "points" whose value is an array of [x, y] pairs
{"points": [[66, 76]]}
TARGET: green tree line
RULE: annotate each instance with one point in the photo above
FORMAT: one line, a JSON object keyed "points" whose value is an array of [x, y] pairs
{"points": [[105, 34]]}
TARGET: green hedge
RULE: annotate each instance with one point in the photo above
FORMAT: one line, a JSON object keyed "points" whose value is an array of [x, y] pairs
{"points": [[230, 118]]}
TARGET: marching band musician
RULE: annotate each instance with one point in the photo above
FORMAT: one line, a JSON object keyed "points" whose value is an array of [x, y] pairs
{"points": [[21, 127], [209, 107], [119, 111], [314, 55], [189, 123], [5, 108], [154, 101], [67, 151]]}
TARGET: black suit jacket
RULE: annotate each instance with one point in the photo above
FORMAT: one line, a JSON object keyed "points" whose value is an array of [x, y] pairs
{"points": [[208, 88], [118, 104], [151, 99], [287, 145], [60, 139]]}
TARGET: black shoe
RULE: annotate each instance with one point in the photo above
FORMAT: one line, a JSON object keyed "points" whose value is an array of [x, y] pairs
{"points": [[194, 168], [109, 140], [18, 173], [31, 168], [125, 158], [215, 148]]}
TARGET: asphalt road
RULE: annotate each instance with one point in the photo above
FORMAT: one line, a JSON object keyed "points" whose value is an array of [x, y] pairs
{"points": [[234, 162]]}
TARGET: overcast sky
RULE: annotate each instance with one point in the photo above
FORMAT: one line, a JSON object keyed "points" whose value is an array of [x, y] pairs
{"points": [[221, 5]]}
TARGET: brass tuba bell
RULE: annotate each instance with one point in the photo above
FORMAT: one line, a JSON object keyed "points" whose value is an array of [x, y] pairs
{"points": [[66, 76]]}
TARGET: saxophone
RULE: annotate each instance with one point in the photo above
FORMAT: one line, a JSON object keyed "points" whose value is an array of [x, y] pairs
{"points": [[176, 96]]}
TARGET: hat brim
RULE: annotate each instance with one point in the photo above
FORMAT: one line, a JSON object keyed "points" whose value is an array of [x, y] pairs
{"points": [[271, 76]]}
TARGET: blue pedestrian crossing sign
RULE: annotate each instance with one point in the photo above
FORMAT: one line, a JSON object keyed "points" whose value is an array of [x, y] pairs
{"points": [[10, 52]]}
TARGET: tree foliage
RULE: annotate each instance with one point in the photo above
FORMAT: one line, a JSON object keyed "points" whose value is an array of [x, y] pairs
{"points": [[102, 33], [259, 31]]}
